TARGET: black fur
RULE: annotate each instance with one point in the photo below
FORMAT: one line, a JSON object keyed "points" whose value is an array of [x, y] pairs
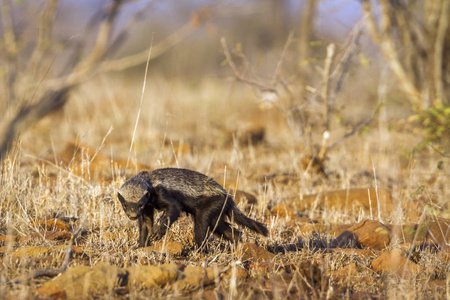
{"points": [[174, 191]]}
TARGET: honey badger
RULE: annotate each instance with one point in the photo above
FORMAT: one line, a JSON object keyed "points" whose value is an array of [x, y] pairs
{"points": [[173, 191]]}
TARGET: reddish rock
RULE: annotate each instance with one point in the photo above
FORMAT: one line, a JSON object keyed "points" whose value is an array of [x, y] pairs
{"points": [[337, 230], [52, 224], [283, 211], [51, 291], [254, 253], [47, 235], [4, 239], [82, 282], [238, 273], [395, 262], [352, 200], [152, 276], [194, 278], [171, 247], [345, 272], [369, 233]]}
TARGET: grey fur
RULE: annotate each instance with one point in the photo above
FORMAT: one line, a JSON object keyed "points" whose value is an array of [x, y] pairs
{"points": [[175, 190]]}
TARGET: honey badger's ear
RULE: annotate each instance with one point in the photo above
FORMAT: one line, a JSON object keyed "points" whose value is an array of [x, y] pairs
{"points": [[144, 198], [121, 199]]}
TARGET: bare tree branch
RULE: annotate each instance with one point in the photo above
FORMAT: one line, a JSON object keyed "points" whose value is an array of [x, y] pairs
{"points": [[44, 36], [414, 49], [439, 51], [28, 116], [120, 64]]}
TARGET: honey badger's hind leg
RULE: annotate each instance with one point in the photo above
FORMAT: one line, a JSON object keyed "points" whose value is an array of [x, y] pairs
{"points": [[225, 230], [200, 230]]}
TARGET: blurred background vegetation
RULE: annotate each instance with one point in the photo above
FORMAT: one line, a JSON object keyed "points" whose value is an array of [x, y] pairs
{"points": [[320, 65]]}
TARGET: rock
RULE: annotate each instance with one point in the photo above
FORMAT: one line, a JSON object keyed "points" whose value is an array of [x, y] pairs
{"points": [[337, 230], [395, 262], [31, 252], [5, 239], [351, 199], [239, 273], [152, 276], [51, 291], [47, 235], [345, 272], [369, 233], [283, 211], [194, 278], [84, 282], [254, 253], [52, 224], [172, 247]]}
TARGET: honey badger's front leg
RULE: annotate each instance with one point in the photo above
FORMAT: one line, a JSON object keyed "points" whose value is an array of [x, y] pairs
{"points": [[171, 213], [145, 223]]}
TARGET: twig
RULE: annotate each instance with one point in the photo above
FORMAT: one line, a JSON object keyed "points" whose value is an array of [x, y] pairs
{"points": [[354, 130], [238, 74], [289, 41]]}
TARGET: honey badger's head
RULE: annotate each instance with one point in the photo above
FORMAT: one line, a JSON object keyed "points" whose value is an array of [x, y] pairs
{"points": [[134, 195]]}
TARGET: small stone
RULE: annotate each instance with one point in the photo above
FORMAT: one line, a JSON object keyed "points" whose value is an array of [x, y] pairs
{"points": [[370, 233], [395, 262], [254, 253]]}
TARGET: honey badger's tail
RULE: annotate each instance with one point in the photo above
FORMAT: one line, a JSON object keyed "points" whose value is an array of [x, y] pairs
{"points": [[239, 217]]}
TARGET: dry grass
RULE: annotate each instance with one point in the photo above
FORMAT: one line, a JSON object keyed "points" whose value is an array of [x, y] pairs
{"points": [[174, 113]]}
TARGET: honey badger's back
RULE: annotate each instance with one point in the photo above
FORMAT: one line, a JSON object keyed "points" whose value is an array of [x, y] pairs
{"points": [[186, 182]]}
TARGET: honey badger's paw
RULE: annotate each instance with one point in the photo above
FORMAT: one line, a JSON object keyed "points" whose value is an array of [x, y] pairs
{"points": [[158, 232]]}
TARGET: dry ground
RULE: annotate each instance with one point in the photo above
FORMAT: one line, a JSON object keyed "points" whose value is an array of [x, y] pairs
{"points": [[219, 129]]}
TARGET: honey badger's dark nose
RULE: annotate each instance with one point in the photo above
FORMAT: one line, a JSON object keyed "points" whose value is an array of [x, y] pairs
{"points": [[133, 217]]}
